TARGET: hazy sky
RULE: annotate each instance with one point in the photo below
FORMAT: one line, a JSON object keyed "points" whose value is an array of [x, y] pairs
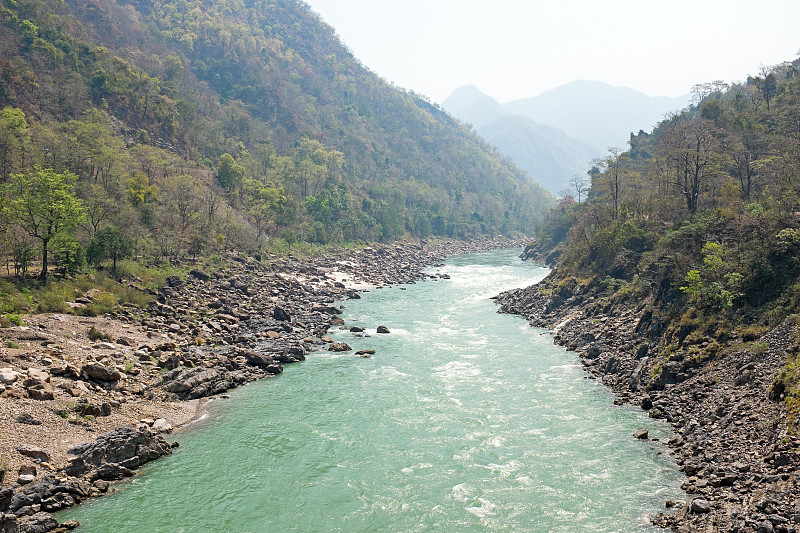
{"points": [[516, 48]]}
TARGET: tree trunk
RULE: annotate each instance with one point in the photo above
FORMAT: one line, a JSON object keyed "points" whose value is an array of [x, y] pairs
{"points": [[43, 273]]}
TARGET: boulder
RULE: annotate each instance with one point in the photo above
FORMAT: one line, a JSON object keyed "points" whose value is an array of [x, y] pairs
{"points": [[40, 522], [328, 309], [198, 274], [383, 329], [39, 390], [279, 314], [8, 376], [199, 382], [162, 426], [700, 506], [39, 375], [98, 372], [642, 434], [92, 409], [339, 347], [33, 452], [117, 453]]}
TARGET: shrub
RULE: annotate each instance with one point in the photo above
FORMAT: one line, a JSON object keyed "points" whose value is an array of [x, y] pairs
{"points": [[96, 335]]}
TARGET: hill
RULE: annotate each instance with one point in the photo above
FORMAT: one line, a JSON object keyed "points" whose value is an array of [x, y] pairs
{"points": [[678, 282], [199, 126]]}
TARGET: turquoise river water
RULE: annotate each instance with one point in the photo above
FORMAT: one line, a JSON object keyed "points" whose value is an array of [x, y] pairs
{"points": [[464, 420]]}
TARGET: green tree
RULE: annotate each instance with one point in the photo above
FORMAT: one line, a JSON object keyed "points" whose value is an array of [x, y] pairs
{"points": [[44, 204], [264, 201], [229, 173], [13, 140], [109, 243]]}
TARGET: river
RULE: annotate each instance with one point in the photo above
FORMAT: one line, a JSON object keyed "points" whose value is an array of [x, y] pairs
{"points": [[464, 420]]}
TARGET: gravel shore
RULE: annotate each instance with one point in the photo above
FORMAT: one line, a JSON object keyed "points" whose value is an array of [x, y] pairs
{"points": [[730, 439]]}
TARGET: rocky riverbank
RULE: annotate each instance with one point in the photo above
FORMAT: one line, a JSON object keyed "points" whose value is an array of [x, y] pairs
{"points": [[131, 377], [730, 435]]}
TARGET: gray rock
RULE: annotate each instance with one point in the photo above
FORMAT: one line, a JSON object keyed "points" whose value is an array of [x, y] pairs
{"points": [[117, 453], [765, 527], [162, 426], [40, 522], [8, 376], [24, 479], [34, 453], [383, 329], [642, 434], [700, 506], [98, 372], [593, 352]]}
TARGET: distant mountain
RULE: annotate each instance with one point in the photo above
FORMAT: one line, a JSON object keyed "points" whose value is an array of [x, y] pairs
{"points": [[556, 135], [547, 154], [597, 113], [472, 106]]}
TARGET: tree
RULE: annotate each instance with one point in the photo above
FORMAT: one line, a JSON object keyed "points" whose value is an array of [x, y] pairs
{"points": [[109, 243], [44, 204], [229, 172], [264, 201], [690, 148], [13, 140], [580, 184]]}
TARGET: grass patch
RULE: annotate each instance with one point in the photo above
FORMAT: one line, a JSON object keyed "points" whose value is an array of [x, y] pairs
{"points": [[753, 332], [11, 344]]}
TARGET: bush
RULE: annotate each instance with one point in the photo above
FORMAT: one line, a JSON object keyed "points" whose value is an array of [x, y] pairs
{"points": [[97, 335]]}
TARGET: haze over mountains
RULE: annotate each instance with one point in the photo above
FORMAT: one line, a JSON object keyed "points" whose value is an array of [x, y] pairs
{"points": [[556, 135]]}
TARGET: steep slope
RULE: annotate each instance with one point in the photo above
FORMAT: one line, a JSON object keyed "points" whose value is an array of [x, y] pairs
{"points": [[256, 104], [678, 282]]}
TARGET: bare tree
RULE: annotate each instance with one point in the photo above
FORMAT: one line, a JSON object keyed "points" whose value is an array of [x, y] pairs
{"points": [[580, 184]]}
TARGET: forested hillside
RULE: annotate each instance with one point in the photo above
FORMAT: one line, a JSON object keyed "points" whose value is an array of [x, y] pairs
{"points": [[696, 227], [189, 127]]}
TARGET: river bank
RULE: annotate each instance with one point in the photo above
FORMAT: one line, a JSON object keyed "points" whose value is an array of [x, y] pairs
{"points": [[145, 372], [730, 437]]}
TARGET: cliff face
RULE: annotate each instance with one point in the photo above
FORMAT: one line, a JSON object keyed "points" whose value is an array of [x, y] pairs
{"points": [[731, 437]]}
